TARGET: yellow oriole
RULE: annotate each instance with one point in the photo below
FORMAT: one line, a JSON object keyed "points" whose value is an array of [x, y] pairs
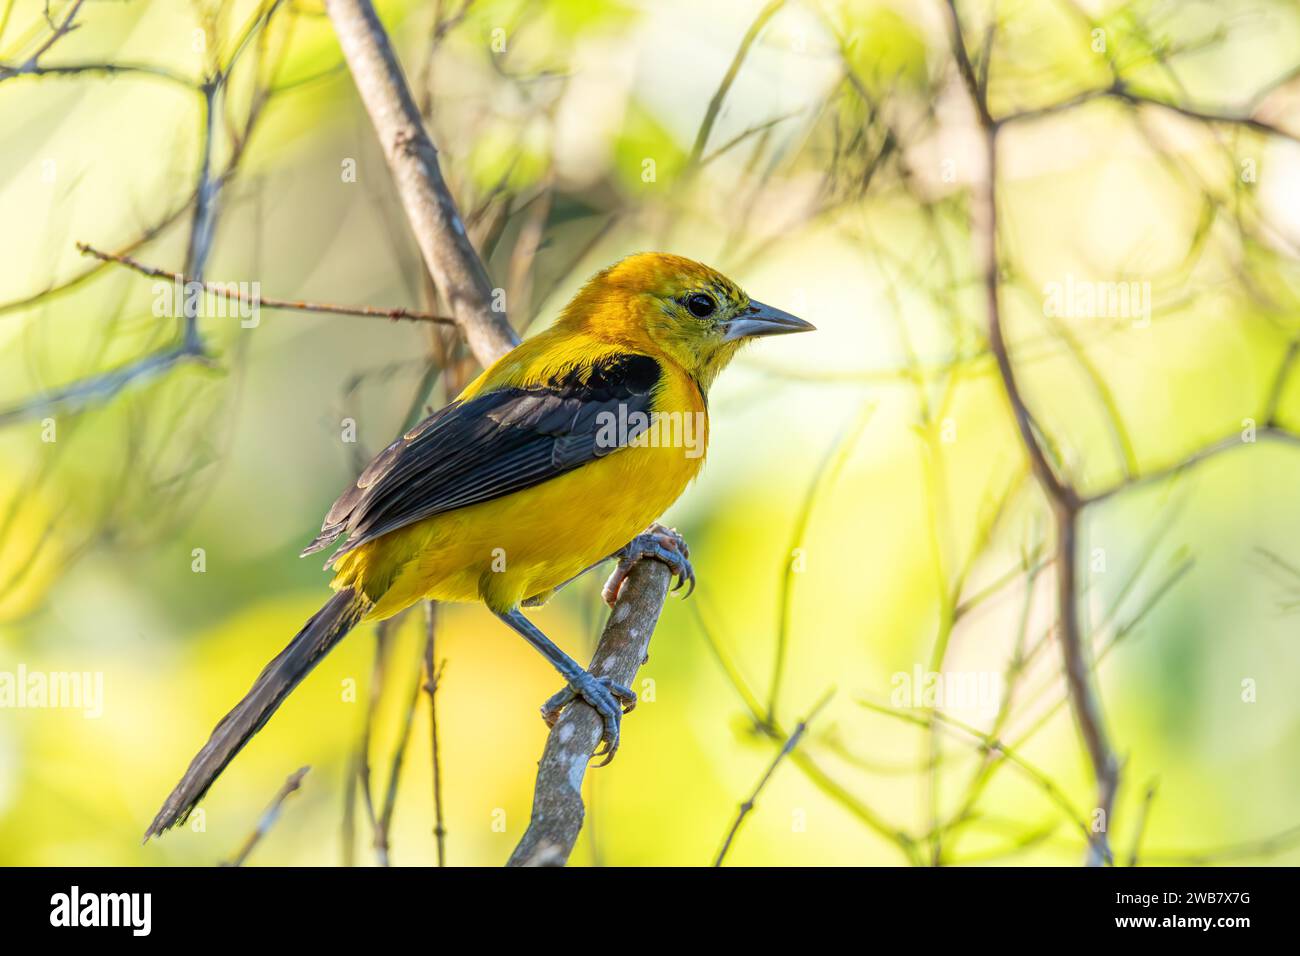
{"points": [[551, 461]]}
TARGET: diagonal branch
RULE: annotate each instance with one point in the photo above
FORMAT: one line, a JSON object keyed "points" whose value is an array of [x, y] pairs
{"points": [[432, 678], [462, 281], [268, 817], [98, 389], [1064, 500], [413, 161], [1119, 90], [60, 31], [791, 743], [558, 810], [720, 95]]}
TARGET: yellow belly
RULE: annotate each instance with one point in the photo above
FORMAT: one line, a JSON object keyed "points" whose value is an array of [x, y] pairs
{"points": [[524, 544]]}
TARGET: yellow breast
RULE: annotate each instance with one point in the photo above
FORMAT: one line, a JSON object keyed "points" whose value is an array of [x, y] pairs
{"points": [[525, 544]]}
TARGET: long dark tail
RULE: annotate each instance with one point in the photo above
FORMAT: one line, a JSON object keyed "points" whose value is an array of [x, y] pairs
{"points": [[317, 637]]}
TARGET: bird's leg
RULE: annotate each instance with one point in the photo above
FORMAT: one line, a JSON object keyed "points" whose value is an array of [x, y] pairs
{"points": [[609, 699], [537, 600], [662, 544]]}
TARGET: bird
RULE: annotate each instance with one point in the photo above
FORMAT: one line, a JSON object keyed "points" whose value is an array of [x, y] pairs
{"points": [[561, 455]]}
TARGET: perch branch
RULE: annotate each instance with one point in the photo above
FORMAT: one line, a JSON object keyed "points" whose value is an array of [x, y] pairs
{"points": [[558, 810], [462, 281]]}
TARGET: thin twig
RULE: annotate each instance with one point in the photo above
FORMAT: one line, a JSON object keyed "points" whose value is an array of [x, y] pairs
{"points": [[432, 678], [204, 223], [1119, 90], [824, 476], [1228, 442], [362, 758], [801, 759], [720, 95], [791, 743], [97, 389], [60, 31], [1140, 831], [269, 816], [237, 293], [143, 70], [384, 829], [994, 745]]}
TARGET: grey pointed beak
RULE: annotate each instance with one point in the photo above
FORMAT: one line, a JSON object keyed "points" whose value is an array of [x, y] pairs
{"points": [[760, 319]]}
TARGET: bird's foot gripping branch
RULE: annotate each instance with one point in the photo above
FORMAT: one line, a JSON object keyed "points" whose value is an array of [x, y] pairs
{"points": [[558, 810], [606, 695], [660, 543]]}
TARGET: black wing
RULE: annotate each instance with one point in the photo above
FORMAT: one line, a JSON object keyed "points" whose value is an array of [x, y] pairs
{"points": [[493, 445]]}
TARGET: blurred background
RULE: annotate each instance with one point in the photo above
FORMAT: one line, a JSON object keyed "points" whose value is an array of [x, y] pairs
{"points": [[867, 524]]}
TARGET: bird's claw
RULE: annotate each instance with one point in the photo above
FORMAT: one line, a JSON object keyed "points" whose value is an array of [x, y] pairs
{"points": [[609, 699], [661, 544]]}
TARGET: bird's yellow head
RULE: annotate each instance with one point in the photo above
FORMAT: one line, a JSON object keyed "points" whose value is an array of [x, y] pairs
{"points": [[676, 307]]}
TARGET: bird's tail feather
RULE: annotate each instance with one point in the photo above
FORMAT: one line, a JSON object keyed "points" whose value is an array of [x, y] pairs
{"points": [[318, 636]]}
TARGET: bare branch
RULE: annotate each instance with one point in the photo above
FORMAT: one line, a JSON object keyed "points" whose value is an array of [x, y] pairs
{"points": [[237, 294], [558, 810], [824, 476], [413, 161], [1227, 443], [720, 95], [100, 388], [60, 31], [791, 743], [974, 88], [384, 829], [432, 677], [144, 70], [269, 816], [1064, 501], [1120, 91]]}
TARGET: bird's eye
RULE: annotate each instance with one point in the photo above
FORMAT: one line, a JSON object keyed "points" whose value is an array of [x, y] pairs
{"points": [[701, 305]]}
